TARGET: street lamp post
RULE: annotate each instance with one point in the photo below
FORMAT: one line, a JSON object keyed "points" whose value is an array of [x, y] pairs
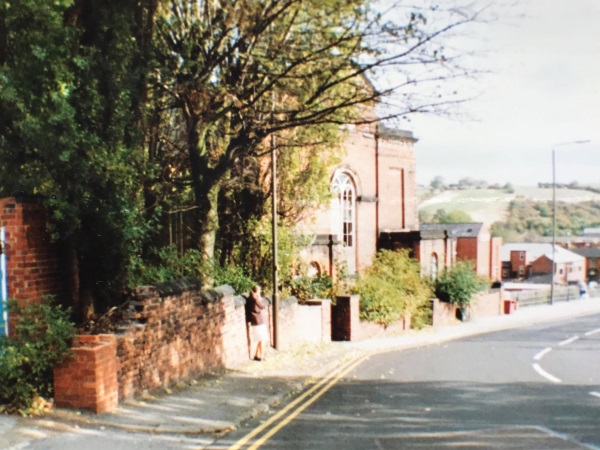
{"points": [[554, 212]]}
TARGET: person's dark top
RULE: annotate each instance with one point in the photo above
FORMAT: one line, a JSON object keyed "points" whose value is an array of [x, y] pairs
{"points": [[255, 307]]}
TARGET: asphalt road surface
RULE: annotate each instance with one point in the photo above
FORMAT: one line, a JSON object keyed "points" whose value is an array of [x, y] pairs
{"points": [[531, 388]]}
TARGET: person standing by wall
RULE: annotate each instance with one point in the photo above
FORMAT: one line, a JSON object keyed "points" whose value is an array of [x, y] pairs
{"points": [[258, 322]]}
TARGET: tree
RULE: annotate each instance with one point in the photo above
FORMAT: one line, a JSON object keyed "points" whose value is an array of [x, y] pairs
{"points": [[71, 107], [438, 183], [454, 216], [111, 110], [233, 75], [391, 288], [459, 283]]}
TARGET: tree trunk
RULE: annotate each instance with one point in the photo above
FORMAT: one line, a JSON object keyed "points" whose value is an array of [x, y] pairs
{"points": [[208, 219], [73, 282], [206, 185]]}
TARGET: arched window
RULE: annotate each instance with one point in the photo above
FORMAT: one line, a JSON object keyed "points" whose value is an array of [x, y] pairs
{"points": [[345, 202], [433, 266]]}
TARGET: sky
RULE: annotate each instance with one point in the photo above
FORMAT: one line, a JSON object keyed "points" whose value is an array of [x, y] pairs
{"points": [[543, 89]]}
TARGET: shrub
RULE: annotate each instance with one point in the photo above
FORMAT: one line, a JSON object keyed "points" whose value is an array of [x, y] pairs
{"points": [[306, 287], [234, 276], [43, 339], [391, 288], [458, 284], [165, 264]]}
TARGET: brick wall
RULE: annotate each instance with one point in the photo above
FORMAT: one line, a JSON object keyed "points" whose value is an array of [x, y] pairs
{"points": [[33, 267], [303, 323], [89, 379], [443, 312], [466, 249], [486, 304], [175, 334], [369, 330]]}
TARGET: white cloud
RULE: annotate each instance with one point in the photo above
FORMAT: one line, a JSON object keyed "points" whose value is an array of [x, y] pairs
{"points": [[544, 90]]}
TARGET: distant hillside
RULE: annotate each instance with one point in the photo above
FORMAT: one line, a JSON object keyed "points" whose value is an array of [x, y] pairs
{"points": [[492, 205]]}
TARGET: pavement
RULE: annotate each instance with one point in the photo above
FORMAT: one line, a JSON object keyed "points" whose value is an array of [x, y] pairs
{"points": [[220, 402]]}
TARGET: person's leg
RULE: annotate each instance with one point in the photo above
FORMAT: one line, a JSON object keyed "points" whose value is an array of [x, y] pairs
{"points": [[258, 354]]}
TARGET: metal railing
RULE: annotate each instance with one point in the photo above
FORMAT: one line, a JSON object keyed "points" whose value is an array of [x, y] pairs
{"points": [[542, 296]]}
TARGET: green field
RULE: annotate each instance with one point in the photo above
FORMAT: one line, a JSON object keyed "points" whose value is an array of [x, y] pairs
{"points": [[490, 205]]}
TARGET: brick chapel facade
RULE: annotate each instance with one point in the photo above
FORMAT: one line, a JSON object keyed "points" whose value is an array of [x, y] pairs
{"points": [[374, 192]]}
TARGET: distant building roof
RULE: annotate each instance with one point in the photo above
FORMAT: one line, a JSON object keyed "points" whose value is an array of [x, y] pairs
{"points": [[395, 134], [536, 250], [591, 232], [587, 252], [455, 230]]}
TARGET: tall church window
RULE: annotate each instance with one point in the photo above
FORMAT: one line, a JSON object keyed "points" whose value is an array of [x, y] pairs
{"points": [[345, 197]]}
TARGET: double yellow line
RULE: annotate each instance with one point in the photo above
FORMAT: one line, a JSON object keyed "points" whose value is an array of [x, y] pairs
{"points": [[291, 411]]}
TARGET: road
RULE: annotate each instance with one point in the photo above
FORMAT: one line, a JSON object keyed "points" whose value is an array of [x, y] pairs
{"points": [[531, 388]]}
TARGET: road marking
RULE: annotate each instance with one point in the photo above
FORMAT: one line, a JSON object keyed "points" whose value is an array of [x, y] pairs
{"points": [[595, 394], [322, 386], [590, 333], [545, 374], [541, 354], [568, 341]]}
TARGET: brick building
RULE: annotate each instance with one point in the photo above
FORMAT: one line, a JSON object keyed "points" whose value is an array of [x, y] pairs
{"points": [[592, 261], [535, 260], [440, 246], [374, 192], [470, 242]]}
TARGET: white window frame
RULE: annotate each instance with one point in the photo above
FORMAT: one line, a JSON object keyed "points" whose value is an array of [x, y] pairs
{"points": [[345, 208]]}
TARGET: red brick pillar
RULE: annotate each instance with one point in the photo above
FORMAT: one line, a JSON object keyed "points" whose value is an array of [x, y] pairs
{"points": [[89, 379], [33, 267], [345, 322]]}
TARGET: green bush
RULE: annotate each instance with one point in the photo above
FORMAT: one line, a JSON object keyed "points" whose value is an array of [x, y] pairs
{"points": [[233, 276], [43, 339], [459, 283], [391, 288], [165, 264], [306, 287]]}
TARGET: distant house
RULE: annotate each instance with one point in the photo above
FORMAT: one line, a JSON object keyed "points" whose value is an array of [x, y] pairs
{"points": [[592, 261], [536, 260]]}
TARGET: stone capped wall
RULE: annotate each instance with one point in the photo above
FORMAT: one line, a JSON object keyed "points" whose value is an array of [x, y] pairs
{"points": [[303, 323], [176, 333]]}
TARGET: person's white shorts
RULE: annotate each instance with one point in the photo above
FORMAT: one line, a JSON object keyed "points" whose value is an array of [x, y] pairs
{"points": [[260, 332]]}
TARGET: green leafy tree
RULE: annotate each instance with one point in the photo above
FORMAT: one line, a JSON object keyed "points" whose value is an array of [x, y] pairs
{"points": [[233, 74], [530, 221], [71, 110], [391, 288], [454, 216], [459, 283]]}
